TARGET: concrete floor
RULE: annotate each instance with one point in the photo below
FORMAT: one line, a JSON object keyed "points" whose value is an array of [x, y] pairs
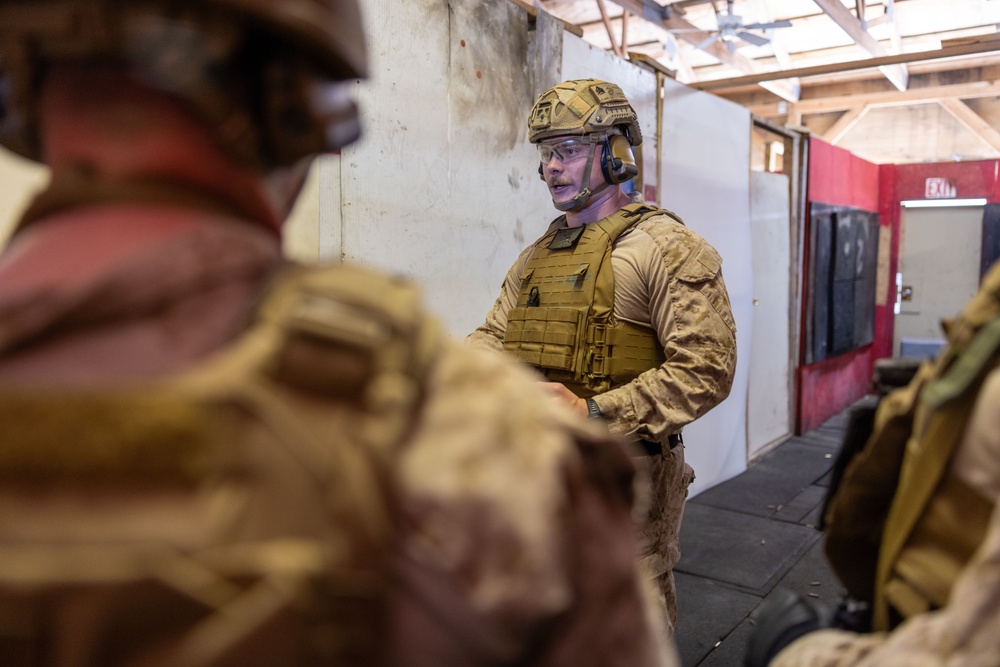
{"points": [[746, 537]]}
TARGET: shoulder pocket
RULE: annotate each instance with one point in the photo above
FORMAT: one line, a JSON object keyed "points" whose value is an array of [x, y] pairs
{"points": [[702, 265]]}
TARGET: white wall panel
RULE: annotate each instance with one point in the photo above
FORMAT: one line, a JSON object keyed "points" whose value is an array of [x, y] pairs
{"points": [[443, 188], [769, 418], [706, 180], [582, 60]]}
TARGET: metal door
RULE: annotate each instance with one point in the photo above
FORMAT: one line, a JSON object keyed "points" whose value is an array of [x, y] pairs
{"points": [[939, 259]]}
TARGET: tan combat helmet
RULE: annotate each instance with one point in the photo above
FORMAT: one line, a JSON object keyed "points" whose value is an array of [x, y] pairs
{"points": [[599, 111], [583, 107], [263, 74]]}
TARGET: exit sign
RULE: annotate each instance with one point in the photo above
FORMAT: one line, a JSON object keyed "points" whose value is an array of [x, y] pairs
{"points": [[939, 188]]}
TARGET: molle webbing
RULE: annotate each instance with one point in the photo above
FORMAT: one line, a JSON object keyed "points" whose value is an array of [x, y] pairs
{"points": [[108, 437], [255, 490], [563, 322]]}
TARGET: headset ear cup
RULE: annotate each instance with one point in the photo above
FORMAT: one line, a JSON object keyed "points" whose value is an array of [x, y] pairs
{"points": [[618, 161]]}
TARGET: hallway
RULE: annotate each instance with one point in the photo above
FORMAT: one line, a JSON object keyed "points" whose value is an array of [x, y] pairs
{"points": [[742, 539]]}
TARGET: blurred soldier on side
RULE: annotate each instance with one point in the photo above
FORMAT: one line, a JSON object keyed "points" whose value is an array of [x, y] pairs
{"points": [[914, 528], [619, 305], [212, 457]]}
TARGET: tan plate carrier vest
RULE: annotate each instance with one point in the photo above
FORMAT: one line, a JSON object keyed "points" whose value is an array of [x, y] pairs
{"points": [[934, 522], [564, 322], [236, 514]]}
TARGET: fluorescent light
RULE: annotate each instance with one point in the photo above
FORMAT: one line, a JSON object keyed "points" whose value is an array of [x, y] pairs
{"points": [[940, 203]]}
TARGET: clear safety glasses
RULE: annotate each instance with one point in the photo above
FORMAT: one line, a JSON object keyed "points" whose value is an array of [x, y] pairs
{"points": [[566, 151]]}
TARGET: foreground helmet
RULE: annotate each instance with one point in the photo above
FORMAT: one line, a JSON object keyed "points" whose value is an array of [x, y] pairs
{"points": [[582, 107], [265, 75]]}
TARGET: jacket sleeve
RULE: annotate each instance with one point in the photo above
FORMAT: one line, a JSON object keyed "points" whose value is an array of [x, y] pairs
{"points": [[519, 544], [668, 278]]}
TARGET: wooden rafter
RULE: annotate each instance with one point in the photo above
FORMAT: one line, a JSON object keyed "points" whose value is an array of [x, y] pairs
{"points": [[625, 31], [895, 37], [973, 121], [669, 20], [845, 124], [853, 26], [618, 50], [949, 50], [985, 88], [780, 54]]}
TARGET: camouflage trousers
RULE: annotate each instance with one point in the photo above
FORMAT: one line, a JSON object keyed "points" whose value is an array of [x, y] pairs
{"points": [[669, 478]]}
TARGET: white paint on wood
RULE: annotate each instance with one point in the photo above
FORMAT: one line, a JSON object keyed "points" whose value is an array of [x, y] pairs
{"points": [[443, 188], [331, 220], [706, 176], [768, 415]]}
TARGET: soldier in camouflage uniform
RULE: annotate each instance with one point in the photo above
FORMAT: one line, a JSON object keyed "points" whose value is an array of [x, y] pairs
{"points": [[934, 587], [212, 457], [619, 304]]}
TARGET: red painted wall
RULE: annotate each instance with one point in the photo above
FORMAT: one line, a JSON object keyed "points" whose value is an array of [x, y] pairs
{"points": [[837, 177], [825, 388], [971, 179]]}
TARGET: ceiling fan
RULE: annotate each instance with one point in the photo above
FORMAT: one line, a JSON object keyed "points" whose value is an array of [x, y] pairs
{"points": [[732, 29]]}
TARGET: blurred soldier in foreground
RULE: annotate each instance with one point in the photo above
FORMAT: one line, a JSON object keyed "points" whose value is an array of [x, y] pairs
{"points": [[211, 457], [619, 305], [913, 531]]}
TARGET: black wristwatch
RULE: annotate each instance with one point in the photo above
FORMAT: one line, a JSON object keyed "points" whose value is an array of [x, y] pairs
{"points": [[593, 412]]}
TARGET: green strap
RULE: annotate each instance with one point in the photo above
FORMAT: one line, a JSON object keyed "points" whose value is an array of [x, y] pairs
{"points": [[970, 364]]}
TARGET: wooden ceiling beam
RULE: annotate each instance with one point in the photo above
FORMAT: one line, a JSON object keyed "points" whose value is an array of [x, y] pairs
{"points": [[854, 27], [845, 124], [763, 15], [670, 20], [618, 50], [973, 121], [961, 48], [986, 88], [895, 36]]}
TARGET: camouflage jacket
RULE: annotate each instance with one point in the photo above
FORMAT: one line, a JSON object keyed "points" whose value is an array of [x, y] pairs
{"points": [[669, 279], [512, 521]]}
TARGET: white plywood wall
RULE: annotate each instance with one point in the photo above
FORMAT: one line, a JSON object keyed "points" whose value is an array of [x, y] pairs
{"points": [[443, 188], [769, 418], [705, 155]]}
